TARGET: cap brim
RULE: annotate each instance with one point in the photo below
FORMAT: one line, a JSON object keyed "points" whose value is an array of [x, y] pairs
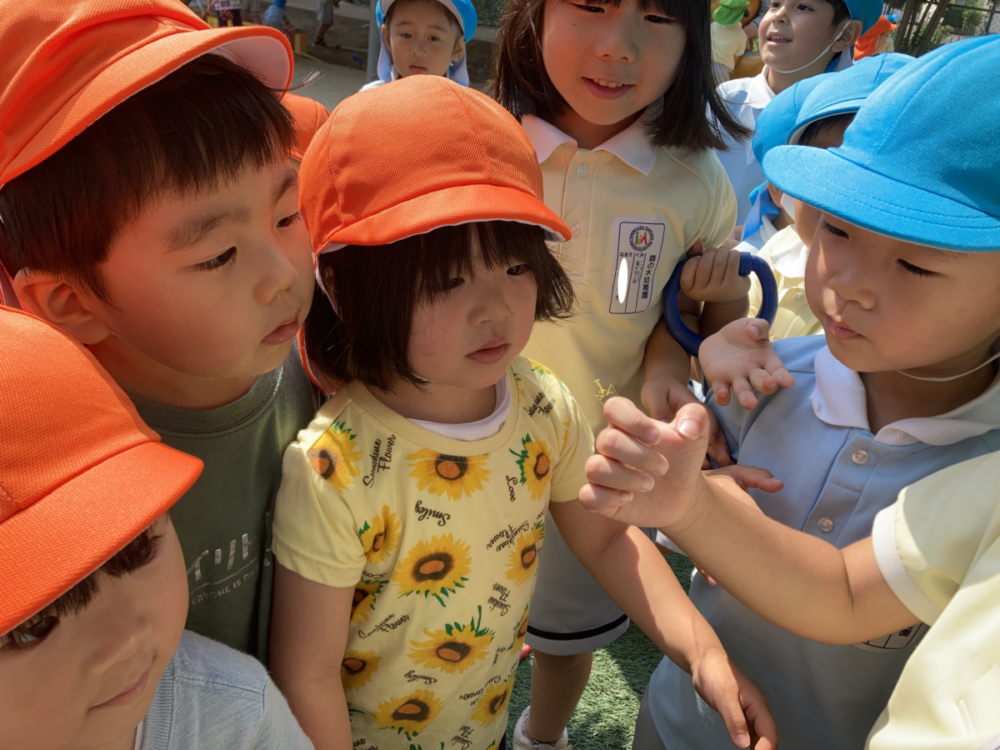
{"points": [[850, 106], [826, 180], [461, 204], [56, 542], [260, 49]]}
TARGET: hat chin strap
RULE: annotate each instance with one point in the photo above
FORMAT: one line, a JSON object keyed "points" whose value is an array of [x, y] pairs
{"points": [[953, 377], [819, 56]]}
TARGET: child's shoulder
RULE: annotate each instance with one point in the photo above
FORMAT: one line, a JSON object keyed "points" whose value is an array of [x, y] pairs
{"points": [[540, 377], [214, 667], [799, 353]]}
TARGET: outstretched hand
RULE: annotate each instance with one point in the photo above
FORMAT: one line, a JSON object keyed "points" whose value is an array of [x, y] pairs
{"points": [[737, 700], [740, 359]]}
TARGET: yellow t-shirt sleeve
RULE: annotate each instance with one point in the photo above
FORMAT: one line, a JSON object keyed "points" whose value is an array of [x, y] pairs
{"points": [[576, 441], [720, 218], [928, 541], [315, 531]]}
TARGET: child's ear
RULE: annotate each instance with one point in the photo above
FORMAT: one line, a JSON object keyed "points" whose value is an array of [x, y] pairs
{"points": [[849, 36], [384, 30], [774, 193], [61, 303], [459, 52]]}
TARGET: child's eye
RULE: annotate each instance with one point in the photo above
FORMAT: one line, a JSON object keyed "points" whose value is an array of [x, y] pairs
{"points": [[588, 8], [518, 269], [916, 269], [825, 227], [31, 633], [218, 261], [435, 38], [452, 284], [659, 19], [289, 220]]}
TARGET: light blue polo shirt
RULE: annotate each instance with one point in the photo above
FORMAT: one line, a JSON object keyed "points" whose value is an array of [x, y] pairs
{"points": [[838, 475]]}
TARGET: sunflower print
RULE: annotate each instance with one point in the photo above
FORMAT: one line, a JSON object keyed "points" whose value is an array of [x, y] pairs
{"points": [[544, 371], [535, 462], [520, 388], [493, 702], [333, 456], [524, 557], [434, 568], [455, 648], [357, 668], [363, 603], [380, 536], [410, 714], [442, 474], [566, 424], [520, 631]]}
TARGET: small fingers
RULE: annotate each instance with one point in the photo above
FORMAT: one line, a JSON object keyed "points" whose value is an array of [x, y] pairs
{"points": [[763, 381], [615, 475], [619, 446], [744, 393], [777, 369], [621, 413], [602, 500], [721, 392]]}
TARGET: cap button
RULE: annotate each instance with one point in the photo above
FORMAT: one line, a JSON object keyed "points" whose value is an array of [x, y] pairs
{"points": [[582, 170]]}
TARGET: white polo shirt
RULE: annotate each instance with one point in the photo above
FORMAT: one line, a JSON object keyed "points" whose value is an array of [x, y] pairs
{"points": [[938, 548], [634, 210], [838, 475]]}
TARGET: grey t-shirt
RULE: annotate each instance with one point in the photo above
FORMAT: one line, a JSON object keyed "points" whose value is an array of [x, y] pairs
{"points": [[224, 520], [213, 698]]}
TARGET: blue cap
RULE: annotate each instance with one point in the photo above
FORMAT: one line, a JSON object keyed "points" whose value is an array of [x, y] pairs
{"points": [[777, 122], [844, 92], [463, 10], [866, 11], [920, 161]]}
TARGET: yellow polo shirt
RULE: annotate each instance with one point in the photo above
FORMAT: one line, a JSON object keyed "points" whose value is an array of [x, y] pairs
{"points": [[786, 255], [634, 210], [728, 43], [938, 548]]}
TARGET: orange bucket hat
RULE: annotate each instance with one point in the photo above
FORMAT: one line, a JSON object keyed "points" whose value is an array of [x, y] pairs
{"points": [[309, 115], [81, 475], [65, 63], [417, 154]]}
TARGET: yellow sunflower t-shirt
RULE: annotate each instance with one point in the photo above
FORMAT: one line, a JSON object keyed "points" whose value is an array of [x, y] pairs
{"points": [[440, 539]]}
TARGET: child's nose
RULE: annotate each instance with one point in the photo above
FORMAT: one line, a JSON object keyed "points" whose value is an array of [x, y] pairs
{"points": [[279, 275], [618, 42]]}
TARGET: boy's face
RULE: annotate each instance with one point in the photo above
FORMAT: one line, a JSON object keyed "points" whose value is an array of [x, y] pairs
{"points": [[886, 304], [608, 62], [90, 677], [468, 338], [793, 32], [213, 285], [423, 39]]}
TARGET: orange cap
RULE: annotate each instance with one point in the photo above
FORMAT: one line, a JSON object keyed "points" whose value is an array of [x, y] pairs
{"points": [[417, 154], [68, 62], [81, 475], [309, 116]]}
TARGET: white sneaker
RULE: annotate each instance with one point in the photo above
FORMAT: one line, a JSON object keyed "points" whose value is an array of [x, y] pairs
{"points": [[523, 742]]}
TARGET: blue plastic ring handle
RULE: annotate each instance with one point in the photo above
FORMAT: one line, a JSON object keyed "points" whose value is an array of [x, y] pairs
{"points": [[690, 340]]}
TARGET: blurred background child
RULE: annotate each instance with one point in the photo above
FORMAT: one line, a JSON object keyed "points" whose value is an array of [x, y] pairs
{"points": [[424, 37], [728, 39]]}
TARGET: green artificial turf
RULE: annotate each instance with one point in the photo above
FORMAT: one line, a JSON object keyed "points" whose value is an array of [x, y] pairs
{"points": [[605, 716]]}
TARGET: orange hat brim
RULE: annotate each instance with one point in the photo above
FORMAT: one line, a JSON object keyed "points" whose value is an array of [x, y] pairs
{"points": [[56, 542], [262, 50], [460, 204]]}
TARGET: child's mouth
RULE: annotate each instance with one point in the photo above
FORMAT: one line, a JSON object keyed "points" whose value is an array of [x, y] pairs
{"points": [[418, 69], [490, 354], [285, 332], [840, 331], [606, 89], [777, 39], [128, 695]]}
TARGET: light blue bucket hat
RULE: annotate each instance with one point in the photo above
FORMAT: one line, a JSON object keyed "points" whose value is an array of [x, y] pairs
{"points": [[921, 160]]}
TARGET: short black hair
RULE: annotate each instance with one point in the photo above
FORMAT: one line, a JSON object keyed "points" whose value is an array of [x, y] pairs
{"points": [[195, 129], [693, 117], [130, 558], [840, 11], [816, 128], [377, 289]]}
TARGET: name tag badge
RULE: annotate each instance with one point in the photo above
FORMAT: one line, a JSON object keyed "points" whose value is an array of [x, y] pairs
{"points": [[639, 247]]}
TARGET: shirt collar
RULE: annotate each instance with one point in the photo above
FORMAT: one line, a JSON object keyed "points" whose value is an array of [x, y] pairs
{"points": [[759, 94], [632, 145], [839, 400]]}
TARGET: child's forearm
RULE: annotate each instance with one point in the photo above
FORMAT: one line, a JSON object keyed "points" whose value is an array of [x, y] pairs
{"points": [[716, 315], [665, 359], [321, 709], [796, 581]]}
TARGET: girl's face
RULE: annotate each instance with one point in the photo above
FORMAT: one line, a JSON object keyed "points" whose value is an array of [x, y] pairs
{"points": [[609, 63], [422, 39], [886, 304], [468, 338], [793, 32]]}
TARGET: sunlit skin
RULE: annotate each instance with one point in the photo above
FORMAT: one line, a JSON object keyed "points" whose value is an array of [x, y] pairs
{"points": [[55, 692], [793, 32], [464, 342], [205, 292], [888, 305], [423, 39], [585, 45]]}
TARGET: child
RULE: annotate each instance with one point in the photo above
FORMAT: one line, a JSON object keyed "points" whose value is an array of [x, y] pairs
{"points": [[728, 40], [798, 39], [614, 100], [424, 37], [276, 16], [141, 221], [815, 112], [873, 42], [412, 510], [92, 644], [905, 386], [308, 115]]}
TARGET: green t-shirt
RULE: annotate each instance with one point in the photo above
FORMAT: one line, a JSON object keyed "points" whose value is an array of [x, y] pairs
{"points": [[224, 520]]}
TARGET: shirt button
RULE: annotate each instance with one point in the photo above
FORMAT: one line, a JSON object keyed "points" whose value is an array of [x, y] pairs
{"points": [[825, 524], [582, 170], [860, 457], [574, 229], [797, 296]]}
